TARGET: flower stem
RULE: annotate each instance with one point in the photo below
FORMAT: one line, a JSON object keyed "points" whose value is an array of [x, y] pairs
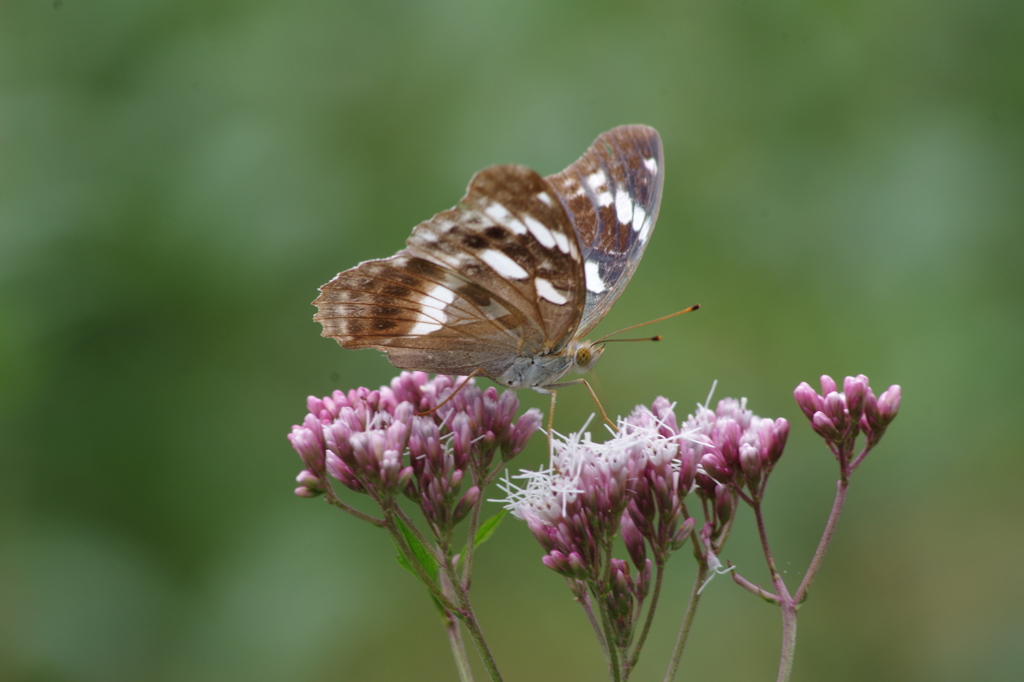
{"points": [[478, 638], [837, 508], [659, 573], [331, 498], [684, 631], [788, 639], [584, 601], [468, 616], [787, 603], [614, 666], [756, 590], [474, 523], [458, 648]]}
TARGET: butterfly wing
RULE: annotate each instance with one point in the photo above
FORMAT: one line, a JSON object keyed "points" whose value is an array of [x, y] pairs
{"points": [[612, 194], [496, 277]]}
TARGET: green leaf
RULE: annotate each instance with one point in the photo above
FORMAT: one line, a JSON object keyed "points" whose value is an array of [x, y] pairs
{"points": [[487, 528], [414, 543], [483, 533], [423, 556]]}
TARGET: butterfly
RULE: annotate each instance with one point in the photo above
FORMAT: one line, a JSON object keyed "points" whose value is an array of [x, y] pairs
{"points": [[508, 282]]}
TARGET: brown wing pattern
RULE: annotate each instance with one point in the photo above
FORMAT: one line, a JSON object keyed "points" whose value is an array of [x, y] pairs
{"points": [[496, 277], [612, 194]]}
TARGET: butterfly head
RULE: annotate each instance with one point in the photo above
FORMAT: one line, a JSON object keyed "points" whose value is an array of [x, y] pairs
{"points": [[585, 356]]}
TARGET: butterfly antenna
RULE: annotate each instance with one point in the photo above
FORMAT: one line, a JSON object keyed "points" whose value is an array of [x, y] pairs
{"points": [[451, 395], [646, 338], [604, 339]]}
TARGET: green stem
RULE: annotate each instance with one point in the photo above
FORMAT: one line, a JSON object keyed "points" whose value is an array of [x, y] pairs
{"points": [[613, 648], [458, 648], [465, 611], [478, 638], [474, 523], [659, 573], [410, 558], [684, 631], [584, 601]]}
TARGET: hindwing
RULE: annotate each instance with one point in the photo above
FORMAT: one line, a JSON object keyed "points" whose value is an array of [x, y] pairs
{"points": [[612, 195]]}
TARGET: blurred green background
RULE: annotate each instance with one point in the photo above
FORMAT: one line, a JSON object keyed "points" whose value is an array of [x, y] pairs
{"points": [[844, 194]]}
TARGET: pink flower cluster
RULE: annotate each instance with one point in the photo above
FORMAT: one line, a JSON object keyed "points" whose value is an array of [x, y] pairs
{"points": [[736, 449], [636, 483], [376, 443], [839, 417]]}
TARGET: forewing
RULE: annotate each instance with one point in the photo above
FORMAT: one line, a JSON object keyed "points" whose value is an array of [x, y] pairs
{"points": [[612, 194], [496, 276]]}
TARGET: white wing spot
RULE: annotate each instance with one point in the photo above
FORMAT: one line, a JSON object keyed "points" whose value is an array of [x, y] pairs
{"points": [[502, 264], [540, 232], [593, 274], [437, 300], [639, 215], [501, 215], [652, 165], [423, 328], [597, 180], [546, 198], [497, 212], [562, 241], [623, 207], [645, 230], [605, 199], [433, 304], [546, 291]]}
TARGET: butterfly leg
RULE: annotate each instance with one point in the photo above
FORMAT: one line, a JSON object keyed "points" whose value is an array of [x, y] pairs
{"points": [[562, 384], [551, 427], [600, 407]]}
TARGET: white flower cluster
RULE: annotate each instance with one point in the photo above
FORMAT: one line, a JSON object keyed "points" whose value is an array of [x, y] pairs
{"points": [[580, 466]]}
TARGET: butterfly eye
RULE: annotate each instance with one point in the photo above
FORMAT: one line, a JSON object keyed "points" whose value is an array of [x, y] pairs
{"points": [[583, 356]]}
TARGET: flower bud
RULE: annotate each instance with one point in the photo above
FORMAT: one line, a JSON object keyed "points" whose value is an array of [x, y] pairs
{"points": [[824, 427], [889, 404], [724, 503], [525, 427], [643, 580], [780, 435], [634, 541], [308, 479], [827, 385], [855, 390], [340, 471], [308, 441], [714, 464], [683, 534], [809, 401], [315, 405], [750, 464], [466, 504], [835, 410], [559, 563]]}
